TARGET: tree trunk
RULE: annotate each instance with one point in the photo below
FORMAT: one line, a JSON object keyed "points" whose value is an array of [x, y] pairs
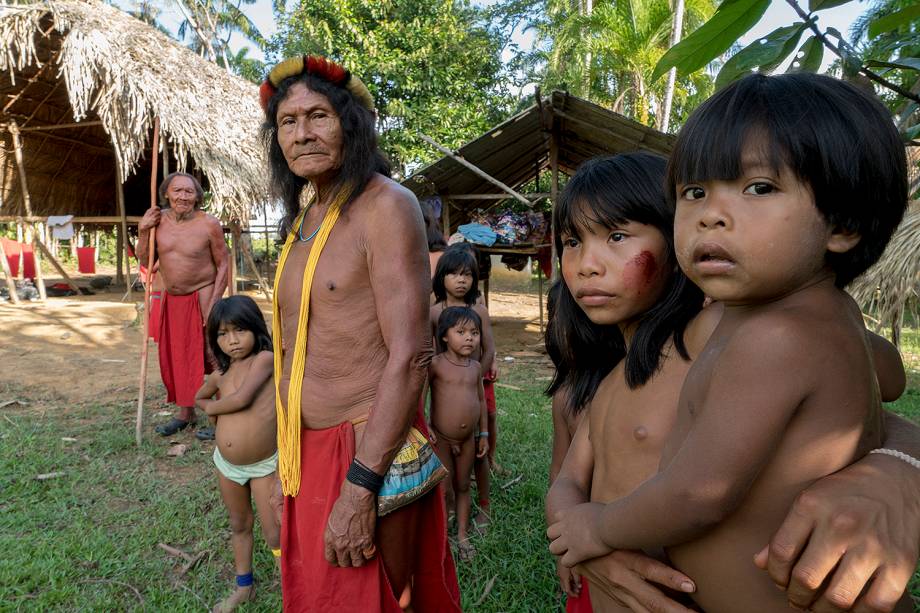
{"points": [[678, 24]]}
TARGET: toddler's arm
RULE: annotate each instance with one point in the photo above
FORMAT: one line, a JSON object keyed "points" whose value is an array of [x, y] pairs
{"points": [[261, 371], [759, 381], [205, 395], [889, 369]]}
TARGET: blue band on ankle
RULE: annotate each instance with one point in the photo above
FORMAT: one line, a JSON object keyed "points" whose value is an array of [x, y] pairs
{"points": [[244, 580]]}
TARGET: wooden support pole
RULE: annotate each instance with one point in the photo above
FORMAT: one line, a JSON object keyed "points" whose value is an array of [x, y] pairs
{"points": [[445, 217], [57, 265], [27, 203], [233, 259], [10, 283], [268, 249], [151, 247], [247, 254], [554, 194], [477, 171], [540, 291], [123, 247]]}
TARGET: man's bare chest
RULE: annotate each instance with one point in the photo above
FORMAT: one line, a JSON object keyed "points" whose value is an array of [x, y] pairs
{"points": [[185, 239]]}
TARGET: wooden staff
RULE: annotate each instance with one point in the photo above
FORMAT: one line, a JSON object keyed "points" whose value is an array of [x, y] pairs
{"points": [[151, 246]]}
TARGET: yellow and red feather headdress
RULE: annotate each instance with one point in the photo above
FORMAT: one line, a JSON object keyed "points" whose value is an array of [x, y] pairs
{"points": [[317, 66]]}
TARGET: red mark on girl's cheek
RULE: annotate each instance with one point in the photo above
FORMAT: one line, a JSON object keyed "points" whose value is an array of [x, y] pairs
{"points": [[640, 270]]}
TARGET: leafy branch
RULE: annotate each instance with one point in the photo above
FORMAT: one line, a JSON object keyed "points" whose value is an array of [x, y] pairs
{"points": [[846, 56]]}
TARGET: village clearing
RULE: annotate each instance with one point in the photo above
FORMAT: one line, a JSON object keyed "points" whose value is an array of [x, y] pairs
{"points": [[88, 521]]}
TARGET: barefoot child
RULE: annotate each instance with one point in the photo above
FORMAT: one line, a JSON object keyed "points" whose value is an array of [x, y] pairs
{"points": [[786, 189], [458, 409], [456, 283], [245, 454]]}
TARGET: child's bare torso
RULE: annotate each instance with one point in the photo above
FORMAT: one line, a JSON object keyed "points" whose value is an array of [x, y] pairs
{"points": [[629, 427], [455, 407], [247, 436], [836, 422]]}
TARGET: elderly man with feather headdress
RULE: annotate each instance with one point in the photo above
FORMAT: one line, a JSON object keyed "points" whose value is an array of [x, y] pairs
{"points": [[352, 348]]}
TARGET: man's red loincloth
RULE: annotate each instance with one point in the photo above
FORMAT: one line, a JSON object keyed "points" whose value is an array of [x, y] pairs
{"points": [[581, 604], [488, 390], [310, 583], [181, 347]]}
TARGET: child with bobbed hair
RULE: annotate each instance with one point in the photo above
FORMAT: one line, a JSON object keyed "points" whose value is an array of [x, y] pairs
{"points": [[785, 189]]}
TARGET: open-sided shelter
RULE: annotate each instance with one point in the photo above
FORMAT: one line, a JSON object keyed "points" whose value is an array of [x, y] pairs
{"points": [[555, 134], [81, 84]]}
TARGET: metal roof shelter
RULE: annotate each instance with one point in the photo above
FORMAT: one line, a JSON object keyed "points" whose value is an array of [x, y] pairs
{"points": [[557, 133]]}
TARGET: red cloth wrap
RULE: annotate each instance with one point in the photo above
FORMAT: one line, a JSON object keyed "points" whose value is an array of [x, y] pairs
{"points": [[310, 583], [12, 250], [181, 347], [28, 261], [156, 300], [488, 390], [582, 604]]}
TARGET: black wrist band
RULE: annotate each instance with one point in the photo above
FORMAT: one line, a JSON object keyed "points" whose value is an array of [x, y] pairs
{"points": [[362, 476]]}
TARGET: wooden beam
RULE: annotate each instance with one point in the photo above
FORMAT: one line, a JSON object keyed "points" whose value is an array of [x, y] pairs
{"points": [[102, 220], [10, 283], [83, 144], [27, 203], [63, 126], [477, 171], [29, 82], [530, 197], [445, 217]]}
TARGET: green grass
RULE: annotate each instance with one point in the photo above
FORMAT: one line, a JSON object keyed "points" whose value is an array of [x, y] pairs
{"points": [[79, 541]]}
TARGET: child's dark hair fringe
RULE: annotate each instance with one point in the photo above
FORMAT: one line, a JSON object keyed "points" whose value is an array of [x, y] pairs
{"points": [[450, 317], [456, 260], [832, 135], [240, 311]]}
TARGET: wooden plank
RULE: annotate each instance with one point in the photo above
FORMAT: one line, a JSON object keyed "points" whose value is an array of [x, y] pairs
{"points": [[27, 203], [475, 169]]}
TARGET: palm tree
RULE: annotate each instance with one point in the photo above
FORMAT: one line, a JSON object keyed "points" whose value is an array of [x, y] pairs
{"points": [[607, 51], [213, 22]]}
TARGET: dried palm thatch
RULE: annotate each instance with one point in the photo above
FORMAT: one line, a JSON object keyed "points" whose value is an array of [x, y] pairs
{"points": [[85, 62], [892, 285]]}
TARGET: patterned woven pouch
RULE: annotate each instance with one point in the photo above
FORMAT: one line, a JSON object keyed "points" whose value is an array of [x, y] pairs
{"points": [[414, 472]]}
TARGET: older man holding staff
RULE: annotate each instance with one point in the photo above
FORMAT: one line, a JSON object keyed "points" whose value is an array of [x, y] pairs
{"points": [[193, 264], [352, 348]]}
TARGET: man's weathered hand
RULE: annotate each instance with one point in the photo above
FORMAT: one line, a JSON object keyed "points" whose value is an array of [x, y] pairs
{"points": [[576, 536], [150, 219], [861, 524], [349, 536], [628, 577], [276, 499]]}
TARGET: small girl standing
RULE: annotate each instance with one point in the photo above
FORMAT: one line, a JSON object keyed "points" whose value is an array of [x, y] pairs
{"points": [[458, 410], [456, 283], [246, 453]]}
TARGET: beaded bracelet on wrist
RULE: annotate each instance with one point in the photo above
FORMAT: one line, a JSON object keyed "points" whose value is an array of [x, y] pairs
{"points": [[899, 455]]}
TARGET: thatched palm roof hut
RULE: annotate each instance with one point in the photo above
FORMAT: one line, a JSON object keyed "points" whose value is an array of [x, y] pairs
{"points": [[892, 286], [84, 81]]}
